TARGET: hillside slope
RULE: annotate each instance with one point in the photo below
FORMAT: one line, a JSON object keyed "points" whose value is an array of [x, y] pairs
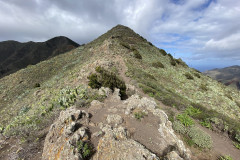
{"points": [[15, 55], [150, 74], [230, 76]]}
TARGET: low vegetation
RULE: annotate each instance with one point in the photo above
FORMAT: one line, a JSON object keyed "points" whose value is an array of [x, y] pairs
{"points": [[157, 64], [139, 115], [104, 78], [84, 148], [163, 52], [188, 76], [226, 157], [137, 54], [185, 119]]}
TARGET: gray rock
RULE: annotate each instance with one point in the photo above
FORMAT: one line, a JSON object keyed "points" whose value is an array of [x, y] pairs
{"points": [[173, 156], [116, 144], [114, 119], [60, 142]]}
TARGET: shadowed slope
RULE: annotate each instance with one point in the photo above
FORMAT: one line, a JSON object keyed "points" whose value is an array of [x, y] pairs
{"points": [[15, 55]]}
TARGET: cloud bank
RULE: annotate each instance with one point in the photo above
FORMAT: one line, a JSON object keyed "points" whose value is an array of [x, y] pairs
{"points": [[202, 32]]}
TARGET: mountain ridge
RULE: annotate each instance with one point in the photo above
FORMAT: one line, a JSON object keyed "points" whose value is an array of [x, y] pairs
{"points": [[16, 55], [230, 76], [158, 83]]}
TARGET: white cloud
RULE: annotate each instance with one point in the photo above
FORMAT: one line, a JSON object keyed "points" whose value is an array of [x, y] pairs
{"points": [[196, 27]]}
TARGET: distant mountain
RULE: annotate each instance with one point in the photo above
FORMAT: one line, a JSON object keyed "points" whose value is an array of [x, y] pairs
{"points": [[230, 76], [15, 55]]}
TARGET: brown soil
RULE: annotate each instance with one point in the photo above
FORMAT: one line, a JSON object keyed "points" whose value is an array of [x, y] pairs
{"points": [[222, 145]]}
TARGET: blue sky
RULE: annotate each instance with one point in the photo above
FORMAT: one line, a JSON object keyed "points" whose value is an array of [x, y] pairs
{"points": [[204, 33]]}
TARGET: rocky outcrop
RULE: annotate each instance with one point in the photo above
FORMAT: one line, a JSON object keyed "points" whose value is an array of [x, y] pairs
{"points": [[166, 133], [64, 135], [116, 144], [110, 127]]}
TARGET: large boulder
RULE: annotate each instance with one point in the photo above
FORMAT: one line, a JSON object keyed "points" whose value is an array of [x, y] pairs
{"points": [[63, 137], [116, 144], [166, 133]]}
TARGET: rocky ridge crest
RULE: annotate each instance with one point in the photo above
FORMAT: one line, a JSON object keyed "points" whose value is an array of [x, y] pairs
{"points": [[112, 137]]}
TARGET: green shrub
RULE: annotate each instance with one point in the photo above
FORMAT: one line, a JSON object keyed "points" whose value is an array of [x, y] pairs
{"points": [[1, 129], [226, 157], [157, 65], [163, 52], [196, 70], [203, 87], [228, 95], [188, 140], [147, 90], [106, 79], [206, 123], [237, 136], [237, 103], [67, 97], [197, 75], [179, 127], [24, 110], [191, 111], [185, 119], [36, 85], [93, 81], [172, 62], [200, 138], [237, 145], [150, 43], [84, 149], [170, 56], [137, 54], [125, 45], [188, 76], [180, 62], [139, 115]]}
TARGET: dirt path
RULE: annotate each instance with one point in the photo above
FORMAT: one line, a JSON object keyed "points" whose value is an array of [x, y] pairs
{"points": [[222, 145]]}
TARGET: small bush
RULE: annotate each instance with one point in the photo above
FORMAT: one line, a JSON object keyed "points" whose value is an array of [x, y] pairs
{"points": [[180, 62], [203, 87], [139, 115], [237, 136], [206, 123], [157, 65], [170, 56], [137, 54], [163, 52], [200, 138], [237, 145], [24, 110], [150, 43], [179, 127], [93, 81], [191, 111], [172, 62], [188, 76], [185, 119], [36, 85], [228, 95], [125, 45], [106, 79], [226, 157], [197, 75], [84, 149], [147, 90], [188, 140], [237, 103]]}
